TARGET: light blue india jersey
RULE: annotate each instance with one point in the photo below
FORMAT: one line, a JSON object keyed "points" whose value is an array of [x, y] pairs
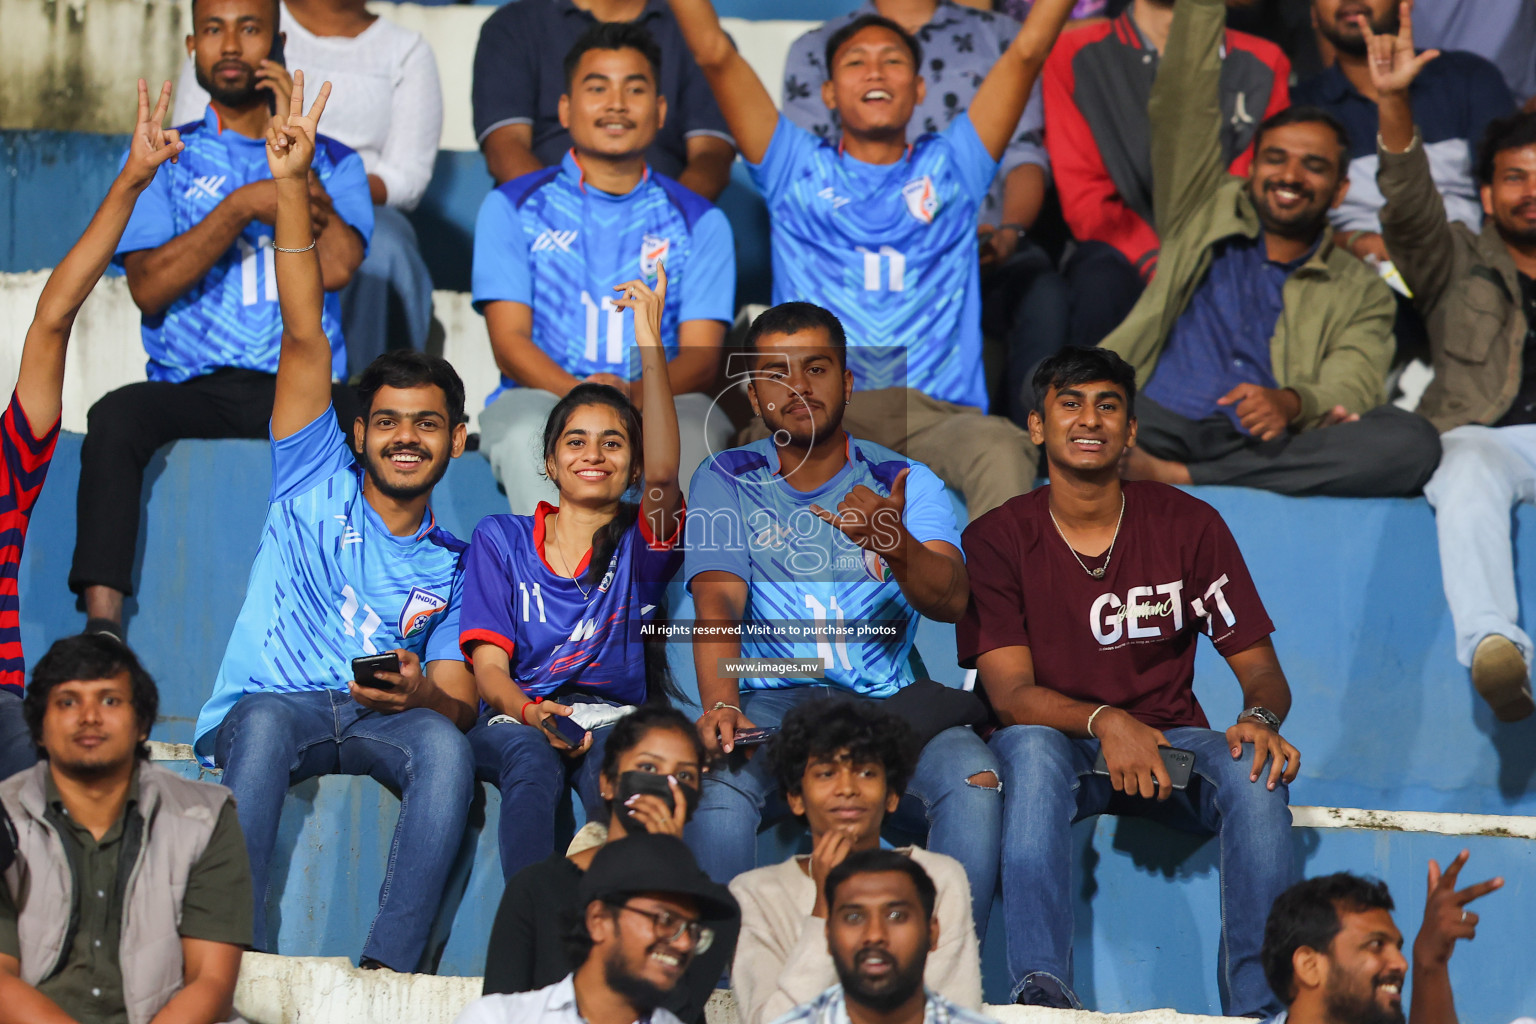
{"points": [[331, 583], [890, 248], [743, 518]]}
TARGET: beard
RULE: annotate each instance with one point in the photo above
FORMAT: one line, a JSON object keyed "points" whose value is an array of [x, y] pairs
{"points": [[1348, 1007], [644, 996], [1352, 40], [242, 96], [806, 436], [1305, 224], [376, 466], [887, 994], [1515, 233]]}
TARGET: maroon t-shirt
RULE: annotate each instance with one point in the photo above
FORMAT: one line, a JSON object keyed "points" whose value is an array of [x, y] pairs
{"points": [[1128, 639]]}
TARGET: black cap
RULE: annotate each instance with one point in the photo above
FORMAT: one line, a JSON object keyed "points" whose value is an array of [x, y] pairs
{"points": [[654, 863]]}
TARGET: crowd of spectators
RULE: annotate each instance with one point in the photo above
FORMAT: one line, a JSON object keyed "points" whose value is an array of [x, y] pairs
{"points": [[1225, 314]]}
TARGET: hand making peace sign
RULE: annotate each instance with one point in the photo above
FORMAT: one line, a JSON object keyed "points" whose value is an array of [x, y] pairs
{"points": [[152, 144], [291, 142]]}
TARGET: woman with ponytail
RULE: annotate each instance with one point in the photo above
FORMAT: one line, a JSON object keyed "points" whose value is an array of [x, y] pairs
{"points": [[554, 602]]}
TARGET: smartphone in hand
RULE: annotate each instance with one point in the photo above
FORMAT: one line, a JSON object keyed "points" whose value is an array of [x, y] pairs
{"points": [[566, 729], [364, 669], [1180, 763]]}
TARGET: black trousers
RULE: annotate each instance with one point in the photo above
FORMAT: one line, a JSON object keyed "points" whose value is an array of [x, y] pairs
{"points": [[1385, 453], [125, 429], [1104, 288]]}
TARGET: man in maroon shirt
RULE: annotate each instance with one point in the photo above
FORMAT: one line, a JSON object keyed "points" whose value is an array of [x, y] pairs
{"points": [[1087, 597]]}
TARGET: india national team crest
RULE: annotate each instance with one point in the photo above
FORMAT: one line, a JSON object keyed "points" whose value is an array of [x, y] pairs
{"points": [[653, 250], [875, 567], [419, 609], [922, 199]]}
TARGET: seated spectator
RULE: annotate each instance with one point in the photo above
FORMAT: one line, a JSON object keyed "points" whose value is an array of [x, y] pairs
{"points": [[1504, 33], [389, 108], [646, 914], [552, 247], [882, 924], [26, 450], [841, 767], [1477, 292], [521, 76], [95, 815], [764, 550], [1100, 140], [525, 950], [1333, 955], [1046, 565], [1261, 347], [883, 233], [352, 564], [1453, 101], [199, 260], [1024, 301], [555, 602]]}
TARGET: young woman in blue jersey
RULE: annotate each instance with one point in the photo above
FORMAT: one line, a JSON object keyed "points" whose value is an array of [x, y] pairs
{"points": [[554, 601]]}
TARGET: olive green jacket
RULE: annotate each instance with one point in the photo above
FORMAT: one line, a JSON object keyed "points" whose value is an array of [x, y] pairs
{"points": [[1468, 289], [1333, 342]]}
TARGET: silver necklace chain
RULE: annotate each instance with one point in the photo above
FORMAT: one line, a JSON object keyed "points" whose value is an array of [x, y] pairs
{"points": [[1098, 573], [584, 592]]}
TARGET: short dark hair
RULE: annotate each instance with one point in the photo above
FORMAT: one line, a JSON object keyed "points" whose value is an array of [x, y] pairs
{"points": [[1073, 366], [1307, 914], [874, 862], [407, 368], [794, 317], [1305, 114], [614, 35], [1515, 131], [821, 728], [865, 21], [89, 657], [277, 15]]}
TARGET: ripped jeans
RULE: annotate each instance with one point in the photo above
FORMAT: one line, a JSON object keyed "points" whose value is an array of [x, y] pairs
{"points": [[955, 816]]}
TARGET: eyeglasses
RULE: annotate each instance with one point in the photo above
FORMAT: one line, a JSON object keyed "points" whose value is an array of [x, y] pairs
{"points": [[672, 927]]}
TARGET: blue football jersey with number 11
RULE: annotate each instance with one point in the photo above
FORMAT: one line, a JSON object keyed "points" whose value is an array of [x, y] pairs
{"points": [[553, 242]]}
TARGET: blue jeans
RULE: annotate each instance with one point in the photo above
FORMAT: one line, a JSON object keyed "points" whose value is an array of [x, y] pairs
{"points": [[956, 816], [532, 777], [1049, 781], [388, 302], [17, 751], [272, 740]]}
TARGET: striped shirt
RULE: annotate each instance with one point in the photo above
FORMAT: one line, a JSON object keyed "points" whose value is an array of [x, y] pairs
{"points": [[831, 1008], [25, 467]]}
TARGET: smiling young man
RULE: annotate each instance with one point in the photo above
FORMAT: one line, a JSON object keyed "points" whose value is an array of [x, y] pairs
{"points": [[1088, 597], [352, 563], [1477, 292], [550, 247], [1333, 955], [129, 897], [880, 229], [815, 528], [199, 261], [842, 768], [647, 912], [882, 925], [1260, 346]]}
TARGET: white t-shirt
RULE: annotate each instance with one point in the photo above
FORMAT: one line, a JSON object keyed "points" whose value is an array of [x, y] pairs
{"points": [[386, 101], [553, 1005]]}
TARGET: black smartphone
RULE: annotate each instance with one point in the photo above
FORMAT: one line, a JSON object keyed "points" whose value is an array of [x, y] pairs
{"points": [[755, 737], [1179, 763], [364, 669], [635, 783], [276, 56], [570, 731]]}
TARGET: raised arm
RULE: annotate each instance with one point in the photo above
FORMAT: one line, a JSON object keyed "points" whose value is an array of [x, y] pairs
{"points": [[998, 103], [745, 102], [40, 382], [1185, 114], [662, 502], [304, 365]]}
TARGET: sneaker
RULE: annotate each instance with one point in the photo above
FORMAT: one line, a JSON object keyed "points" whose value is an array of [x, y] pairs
{"points": [[1502, 678], [104, 627], [1043, 990]]}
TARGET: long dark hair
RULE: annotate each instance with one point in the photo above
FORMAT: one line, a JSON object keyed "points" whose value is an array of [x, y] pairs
{"points": [[659, 685]]}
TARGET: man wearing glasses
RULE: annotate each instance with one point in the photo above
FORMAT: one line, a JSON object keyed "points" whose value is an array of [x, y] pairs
{"points": [[648, 911]]}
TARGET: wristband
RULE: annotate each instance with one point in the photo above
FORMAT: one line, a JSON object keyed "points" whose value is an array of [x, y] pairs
{"points": [[1091, 717], [1018, 229], [521, 712], [721, 705], [278, 248]]}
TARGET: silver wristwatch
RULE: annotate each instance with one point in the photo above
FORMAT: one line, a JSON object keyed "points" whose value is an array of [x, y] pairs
{"points": [[1264, 715]]}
